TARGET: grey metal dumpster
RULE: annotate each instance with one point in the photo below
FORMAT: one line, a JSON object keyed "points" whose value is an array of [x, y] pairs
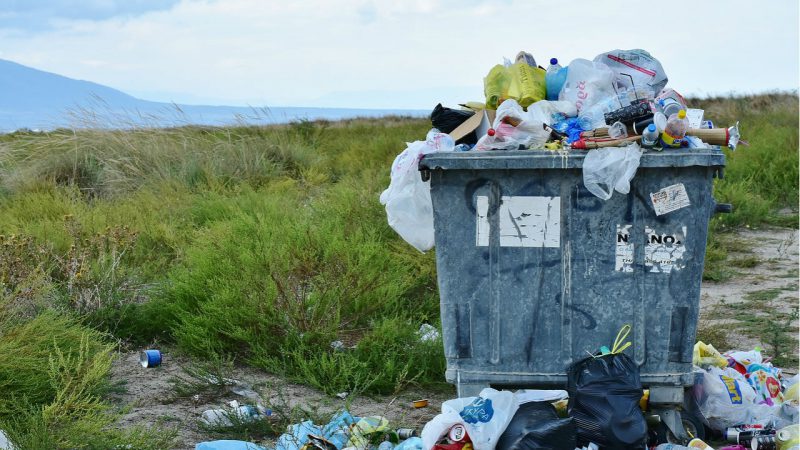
{"points": [[534, 271]]}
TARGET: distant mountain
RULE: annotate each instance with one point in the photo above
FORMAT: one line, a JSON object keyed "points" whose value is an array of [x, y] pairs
{"points": [[34, 99]]}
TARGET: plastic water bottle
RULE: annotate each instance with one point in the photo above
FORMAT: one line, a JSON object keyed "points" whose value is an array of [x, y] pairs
{"points": [[554, 79], [650, 136], [675, 132]]}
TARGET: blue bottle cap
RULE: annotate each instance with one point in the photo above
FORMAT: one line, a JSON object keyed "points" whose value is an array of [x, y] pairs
{"points": [[651, 127], [554, 61]]}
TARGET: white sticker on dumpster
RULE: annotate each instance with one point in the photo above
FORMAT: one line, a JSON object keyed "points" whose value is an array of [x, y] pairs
{"points": [[670, 199], [664, 252], [624, 249], [525, 221]]}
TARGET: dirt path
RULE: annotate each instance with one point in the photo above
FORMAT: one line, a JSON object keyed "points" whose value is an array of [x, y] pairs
{"points": [[158, 398], [762, 284], [754, 306]]}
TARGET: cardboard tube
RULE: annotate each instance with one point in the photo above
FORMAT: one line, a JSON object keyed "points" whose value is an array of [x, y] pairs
{"points": [[713, 136]]}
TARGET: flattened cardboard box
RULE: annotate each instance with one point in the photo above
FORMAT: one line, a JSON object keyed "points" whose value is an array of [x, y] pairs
{"points": [[480, 122]]}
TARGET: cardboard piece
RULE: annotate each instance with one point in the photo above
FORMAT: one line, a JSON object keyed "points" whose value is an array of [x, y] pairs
{"points": [[480, 122]]}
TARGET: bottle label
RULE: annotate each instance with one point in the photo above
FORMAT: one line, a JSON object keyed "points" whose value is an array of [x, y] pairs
{"points": [[672, 141]]}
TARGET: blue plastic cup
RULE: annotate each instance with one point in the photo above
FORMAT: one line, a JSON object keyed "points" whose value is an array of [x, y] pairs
{"points": [[150, 358]]}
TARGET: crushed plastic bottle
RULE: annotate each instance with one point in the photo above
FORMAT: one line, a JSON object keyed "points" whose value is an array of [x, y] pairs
{"points": [[554, 79], [225, 417], [675, 131]]}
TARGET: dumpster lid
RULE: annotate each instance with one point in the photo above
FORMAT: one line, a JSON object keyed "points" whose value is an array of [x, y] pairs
{"points": [[573, 159]]}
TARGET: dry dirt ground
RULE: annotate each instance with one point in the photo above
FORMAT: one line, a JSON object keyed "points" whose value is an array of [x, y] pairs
{"points": [[764, 265]]}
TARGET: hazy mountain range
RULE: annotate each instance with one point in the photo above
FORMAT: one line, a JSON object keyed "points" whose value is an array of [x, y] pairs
{"points": [[34, 99]]}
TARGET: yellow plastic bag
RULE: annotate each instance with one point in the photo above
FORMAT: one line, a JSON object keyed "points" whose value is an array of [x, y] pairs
{"points": [[706, 355], [365, 427], [523, 83]]}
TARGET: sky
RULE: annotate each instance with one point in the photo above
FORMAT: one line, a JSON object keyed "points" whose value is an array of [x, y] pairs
{"points": [[387, 54]]}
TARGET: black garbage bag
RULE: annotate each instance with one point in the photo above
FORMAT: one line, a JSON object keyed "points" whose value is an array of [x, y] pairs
{"points": [[604, 393], [536, 426], [448, 119]]}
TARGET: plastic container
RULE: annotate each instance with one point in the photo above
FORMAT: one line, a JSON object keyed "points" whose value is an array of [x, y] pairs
{"points": [[674, 134], [617, 131], [534, 271], [650, 136], [554, 79]]}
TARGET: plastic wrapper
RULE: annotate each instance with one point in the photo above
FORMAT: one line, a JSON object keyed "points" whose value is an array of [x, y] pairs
{"points": [[536, 426], [408, 199], [766, 385], [519, 81], [608, 169], [634, 68], [604, 393], [706, 355], [513, 129]]}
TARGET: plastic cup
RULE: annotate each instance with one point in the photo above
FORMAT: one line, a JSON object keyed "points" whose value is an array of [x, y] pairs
{"points": [[618, 131]]}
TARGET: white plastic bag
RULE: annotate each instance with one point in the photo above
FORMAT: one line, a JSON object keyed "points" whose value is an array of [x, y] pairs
{"points": [[485, 418], [608, 169], [408, 198], [587, 83], [726, 399], [513, 127], [634, 66], [543, 110]]}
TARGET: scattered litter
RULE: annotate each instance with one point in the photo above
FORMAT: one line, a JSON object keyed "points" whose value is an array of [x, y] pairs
{"points": [[342, 395], [227, 445], [421, 403], [150, 358], [236, 413], [337, 345], [5, 444], [428, 333], [244, 390]]}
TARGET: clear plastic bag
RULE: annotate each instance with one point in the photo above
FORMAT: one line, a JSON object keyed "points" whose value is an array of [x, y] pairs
{"points": [[608, 169], [635, 67], [726, 399], [587, 83], [408, 198]]}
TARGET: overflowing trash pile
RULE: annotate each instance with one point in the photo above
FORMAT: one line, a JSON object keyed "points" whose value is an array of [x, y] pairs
{"points": [[739, 398], [616, 106]]}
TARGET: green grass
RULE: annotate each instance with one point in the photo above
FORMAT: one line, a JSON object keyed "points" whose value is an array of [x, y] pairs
{"points": [[259, 245]]}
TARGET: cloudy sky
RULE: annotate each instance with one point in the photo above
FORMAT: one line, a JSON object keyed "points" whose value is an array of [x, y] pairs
{"points": [[387, 54]]}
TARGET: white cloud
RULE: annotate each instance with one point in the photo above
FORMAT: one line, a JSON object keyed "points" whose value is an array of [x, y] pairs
{"points": [[291, 53]]}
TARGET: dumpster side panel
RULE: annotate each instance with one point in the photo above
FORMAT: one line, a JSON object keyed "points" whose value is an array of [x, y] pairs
{"points": [[534, 271]]}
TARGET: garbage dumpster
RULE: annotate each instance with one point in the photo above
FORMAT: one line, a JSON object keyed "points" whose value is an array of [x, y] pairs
{"points": [[534, 271]]}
